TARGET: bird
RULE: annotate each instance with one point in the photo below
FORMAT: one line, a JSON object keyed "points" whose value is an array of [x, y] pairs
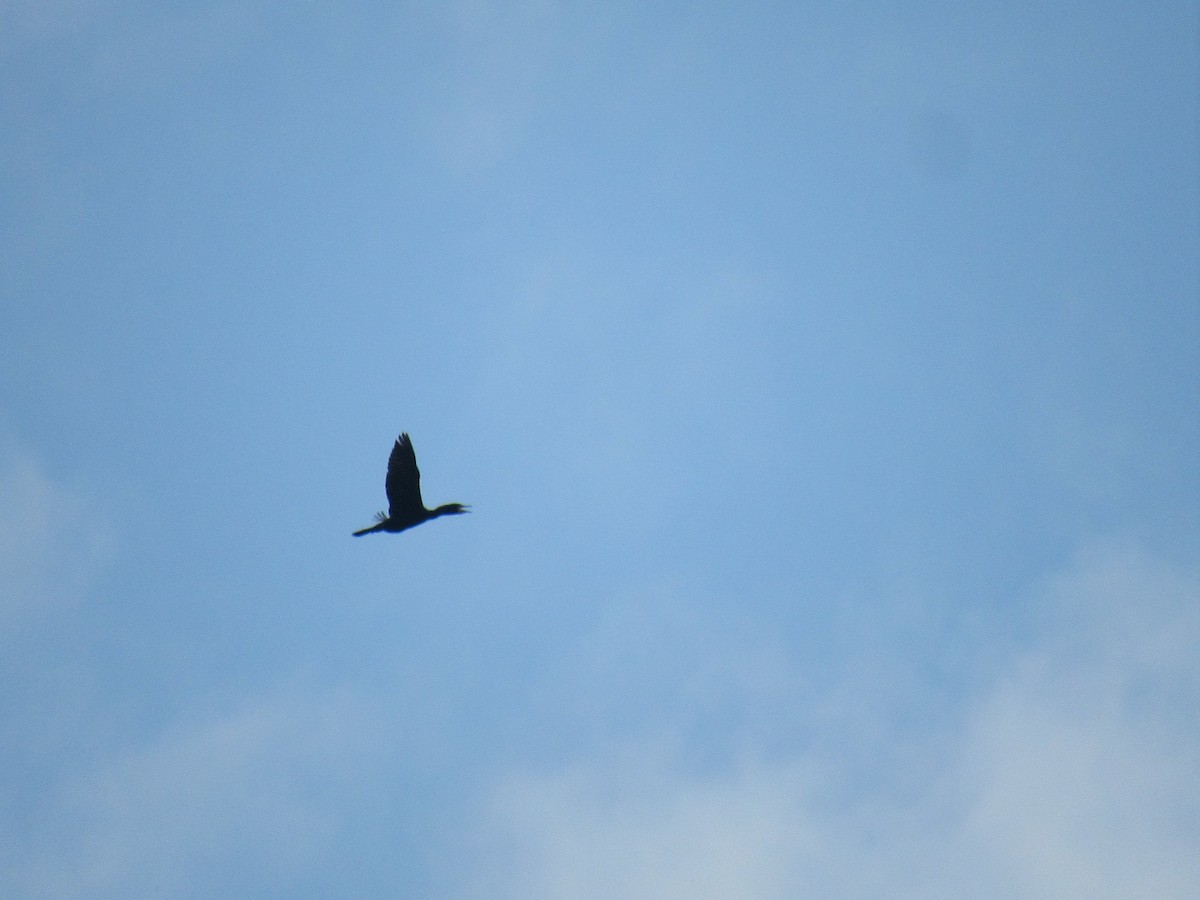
{"points": [[403, 485]]}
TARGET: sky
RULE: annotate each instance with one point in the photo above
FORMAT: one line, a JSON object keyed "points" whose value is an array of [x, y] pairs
{"points": [[823, 379]]}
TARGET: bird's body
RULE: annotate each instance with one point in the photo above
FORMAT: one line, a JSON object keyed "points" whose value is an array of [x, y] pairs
{"points": [[403, 485]]}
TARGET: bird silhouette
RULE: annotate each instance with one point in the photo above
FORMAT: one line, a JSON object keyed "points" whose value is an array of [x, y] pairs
{"points": [[403, 485]]}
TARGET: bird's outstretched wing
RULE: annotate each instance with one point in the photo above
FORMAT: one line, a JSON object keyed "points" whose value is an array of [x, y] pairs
{"points": [[403, 479]]}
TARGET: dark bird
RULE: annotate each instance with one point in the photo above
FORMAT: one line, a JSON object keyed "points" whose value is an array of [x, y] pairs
{"points": [[405, 508]]}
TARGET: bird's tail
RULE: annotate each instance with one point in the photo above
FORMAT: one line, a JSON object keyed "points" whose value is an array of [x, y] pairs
{"points": [[380, 518]]}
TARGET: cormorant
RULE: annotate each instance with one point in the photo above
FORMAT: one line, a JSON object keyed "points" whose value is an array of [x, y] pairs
{"points": [[403, 485]]}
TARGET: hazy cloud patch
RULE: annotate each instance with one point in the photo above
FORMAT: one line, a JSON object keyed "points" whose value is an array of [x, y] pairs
{"points": [[631, 827], [252, 796], [1071, 776], [1081, 764], [52, 542]]}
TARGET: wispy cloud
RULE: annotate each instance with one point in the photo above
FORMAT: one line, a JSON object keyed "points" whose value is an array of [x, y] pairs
{"points": [[631, 827], [1079, 768], [228, 800], [52, 542], [1071, 776]]}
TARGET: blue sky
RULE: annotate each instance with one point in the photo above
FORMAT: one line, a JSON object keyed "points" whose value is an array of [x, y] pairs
{"points": [[823, 378]]}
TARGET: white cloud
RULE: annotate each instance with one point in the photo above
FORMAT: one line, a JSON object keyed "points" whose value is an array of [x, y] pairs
{"points": [[1081, 764], [235, 801], [634, 829], [1072, 776]]}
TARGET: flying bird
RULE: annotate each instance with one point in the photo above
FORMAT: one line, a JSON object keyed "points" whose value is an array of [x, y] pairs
{"points": [[403, 485]]}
